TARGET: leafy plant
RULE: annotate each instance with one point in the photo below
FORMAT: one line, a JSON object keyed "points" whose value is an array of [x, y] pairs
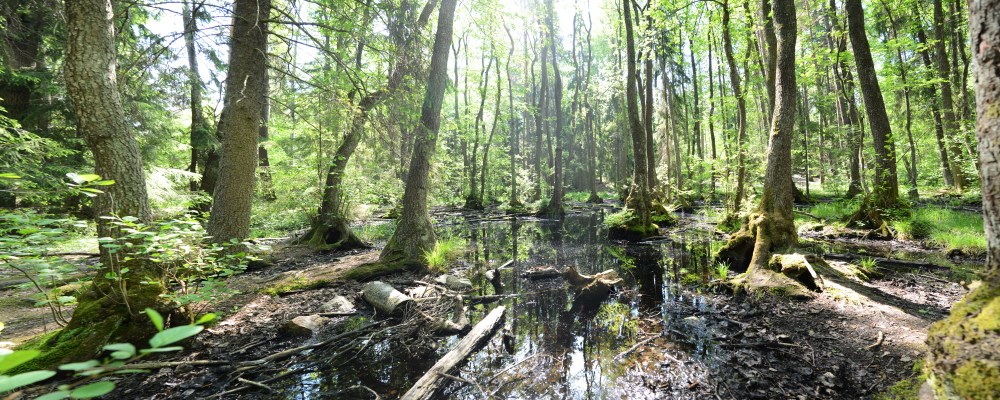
{"points": [[867, 264], [121, 360], [722, 270]]}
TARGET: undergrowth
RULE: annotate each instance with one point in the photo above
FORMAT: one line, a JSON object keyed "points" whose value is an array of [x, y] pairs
{"points": [[445, 252]]}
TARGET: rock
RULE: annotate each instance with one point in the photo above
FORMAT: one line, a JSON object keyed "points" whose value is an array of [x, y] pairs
{"points": [[338, 304], [455, 283], [303, 325]]}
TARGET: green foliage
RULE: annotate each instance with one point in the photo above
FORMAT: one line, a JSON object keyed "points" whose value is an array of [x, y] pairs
{"points": [[954, 230], [916, 228], [619, 219], [444, 253], [194, 266], [722, 270], [121, 359]]}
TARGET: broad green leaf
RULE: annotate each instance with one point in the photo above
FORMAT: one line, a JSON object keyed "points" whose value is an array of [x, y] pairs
{"points": [[8, 175], [79, 366], [8, 383], [174, 335], [62, 394], [156, 318], [16, 358], [121, 351], [206, 319], [93, 390]]}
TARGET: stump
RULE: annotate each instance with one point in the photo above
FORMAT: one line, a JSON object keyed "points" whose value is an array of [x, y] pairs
{"points": [[386, 299]]}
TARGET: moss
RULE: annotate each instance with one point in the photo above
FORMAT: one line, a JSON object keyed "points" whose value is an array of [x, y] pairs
{"points": [[978, 380], [370, 271], [296, 284], [625, 225], [962, 361]]}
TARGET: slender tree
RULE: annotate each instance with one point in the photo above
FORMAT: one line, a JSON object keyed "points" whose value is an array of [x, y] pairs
{"points": [[554, 208], [414, 233], [949, 120]]}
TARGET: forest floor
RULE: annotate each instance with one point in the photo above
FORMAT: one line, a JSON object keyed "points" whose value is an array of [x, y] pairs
{"points": [[855, 340]]}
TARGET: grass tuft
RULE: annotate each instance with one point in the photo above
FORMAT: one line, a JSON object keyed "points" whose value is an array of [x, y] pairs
{"points": [[444, 253]]}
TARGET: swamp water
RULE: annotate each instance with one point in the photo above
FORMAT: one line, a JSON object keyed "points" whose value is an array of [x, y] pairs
{"points": [[559, 351]]}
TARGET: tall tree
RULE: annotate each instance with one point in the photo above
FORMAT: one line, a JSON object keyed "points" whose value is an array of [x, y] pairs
{"points": [[771, 227], [949, 120], [554, 208], [640, 224], [963, 361], [414, 233], [111, 308], [239, 124], [885, 190], [741, 110], [199, 135]]}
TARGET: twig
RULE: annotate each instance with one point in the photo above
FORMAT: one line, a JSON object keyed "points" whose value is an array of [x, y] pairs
{"points": [[878, 341], [254, 383], [637, 345], [466, 381]]}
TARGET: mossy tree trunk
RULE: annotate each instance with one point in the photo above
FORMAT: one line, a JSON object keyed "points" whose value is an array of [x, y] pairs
{"points": [[963, 361], [414, 234], [239, 124], [638, 200], [949, 120], [771, 227], [111, 309]]}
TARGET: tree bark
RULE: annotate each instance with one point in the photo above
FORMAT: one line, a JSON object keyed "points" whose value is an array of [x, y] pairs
{"points": [[265, 181], [414, 234], [963, 361], [200, 135], [240, 122], [111, 309], [936, 112]]}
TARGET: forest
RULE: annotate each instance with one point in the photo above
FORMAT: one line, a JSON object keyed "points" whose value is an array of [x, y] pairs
{"points": [[477, 199]]}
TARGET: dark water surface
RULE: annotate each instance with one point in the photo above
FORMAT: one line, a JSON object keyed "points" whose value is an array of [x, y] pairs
{"points": [[559, 351]]}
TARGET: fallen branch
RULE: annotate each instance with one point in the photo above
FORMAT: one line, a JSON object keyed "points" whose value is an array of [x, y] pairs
{"points": [[878, 341], [431, 382], [887, 261], [640, 344]]}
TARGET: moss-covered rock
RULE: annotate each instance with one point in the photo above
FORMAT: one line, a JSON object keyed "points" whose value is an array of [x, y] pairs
{"points": [[626, 225], [963, 360]]}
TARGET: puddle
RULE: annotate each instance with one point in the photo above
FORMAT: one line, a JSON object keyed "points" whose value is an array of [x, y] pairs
{"points": [[557, 352]]}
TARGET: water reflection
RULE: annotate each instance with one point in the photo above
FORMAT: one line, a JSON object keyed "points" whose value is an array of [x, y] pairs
{"points": [[559, 351]]}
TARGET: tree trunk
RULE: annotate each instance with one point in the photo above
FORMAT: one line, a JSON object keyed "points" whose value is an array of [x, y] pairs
{"points": [[514, 202], [111, 310], [912, 194], [936, 112], [963, 361], [771, 227], [265, 182], [200, 136], [554, 208], [489, 139], [240, 122], [885, 191], [949, 121], [414, 234], [638, 201], [741, 111]]}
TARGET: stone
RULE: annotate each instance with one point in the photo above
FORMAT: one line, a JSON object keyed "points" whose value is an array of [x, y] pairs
{"points": [[338, 304], [455, 283], [303, 325]]}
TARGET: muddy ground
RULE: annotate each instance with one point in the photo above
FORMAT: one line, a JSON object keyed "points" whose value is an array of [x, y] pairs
{"points": [[852, 341]]}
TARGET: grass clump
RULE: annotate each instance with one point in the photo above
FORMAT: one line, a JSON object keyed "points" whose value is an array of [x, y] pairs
{"points": [[444, 253], [905, 389], [619, 219], [833, 211]]}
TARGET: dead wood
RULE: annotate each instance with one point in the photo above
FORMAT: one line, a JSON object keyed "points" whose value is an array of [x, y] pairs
{"points": [[429, 384], [385, 298]]}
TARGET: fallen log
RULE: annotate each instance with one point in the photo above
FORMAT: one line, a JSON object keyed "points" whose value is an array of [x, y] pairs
{"points": [[888, 261], [541, 273], [432, 381], [385, 298]]}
